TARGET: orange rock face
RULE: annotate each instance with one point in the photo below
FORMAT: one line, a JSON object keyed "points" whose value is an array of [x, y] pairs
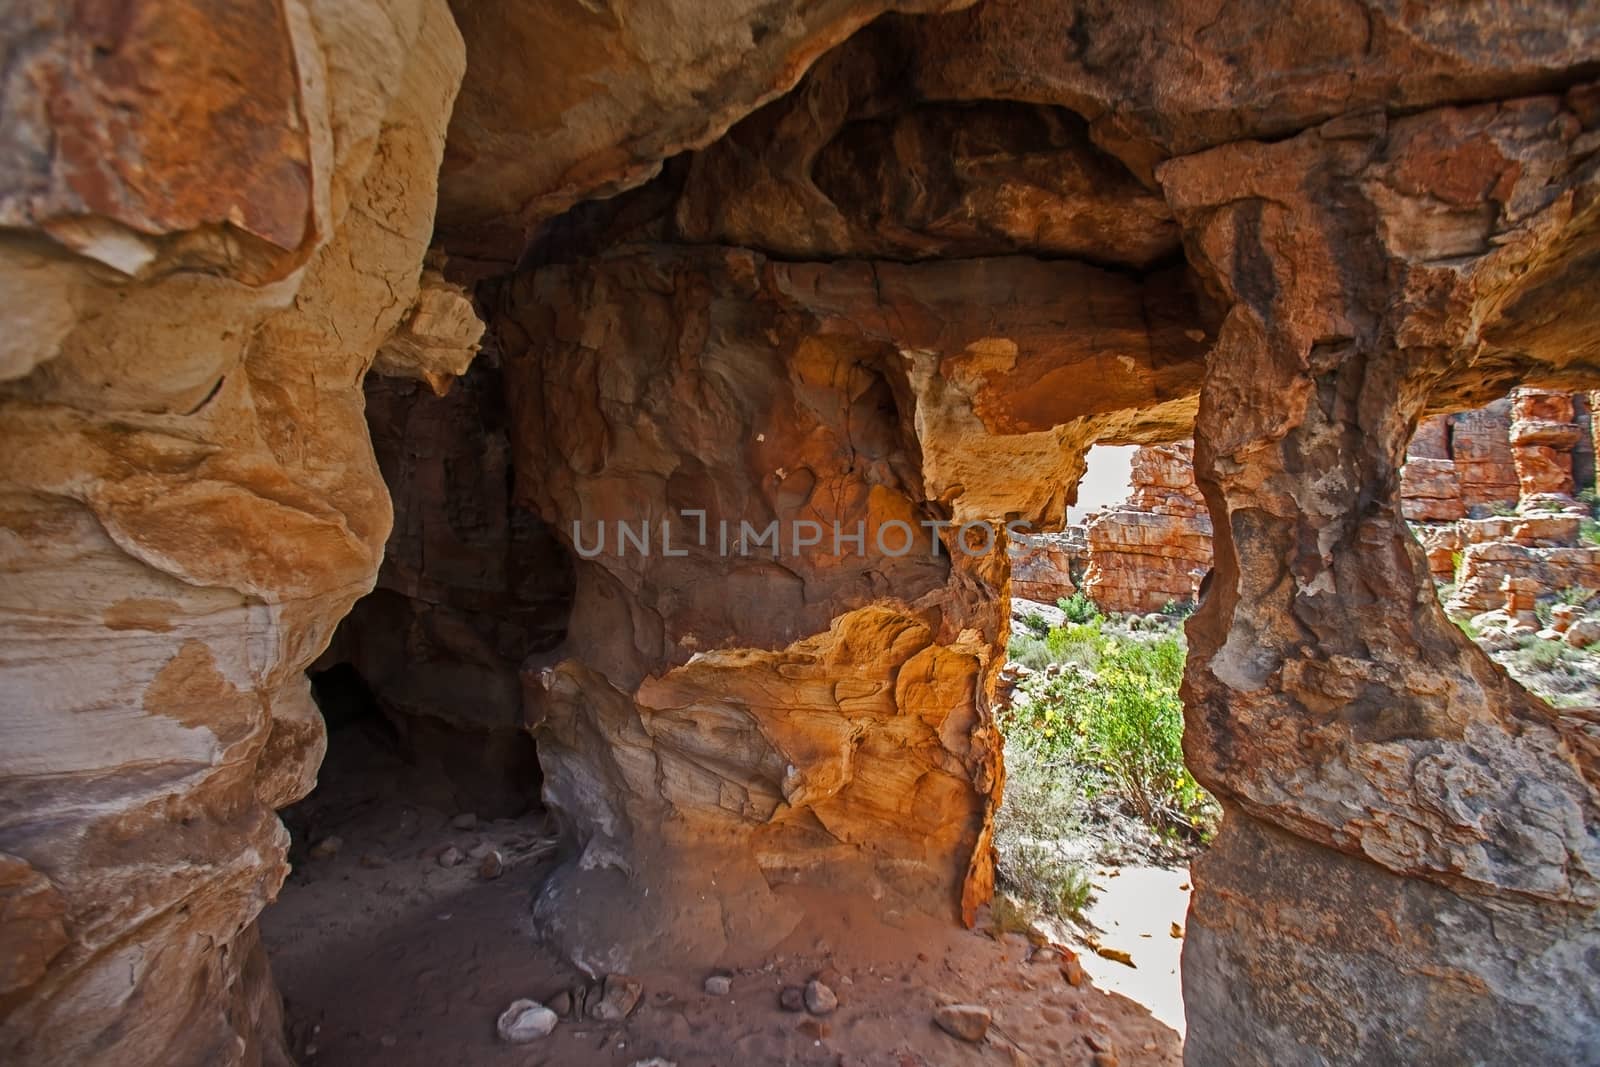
{"points": [[1372, 760], [1154, 548], [971, 244], [218, 216], [813, 714]]}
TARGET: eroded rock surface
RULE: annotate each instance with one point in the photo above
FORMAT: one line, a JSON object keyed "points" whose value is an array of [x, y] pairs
{"points": [[971, 245], [1154, 548], [813, 715], [200, 275], [1327, 695]]}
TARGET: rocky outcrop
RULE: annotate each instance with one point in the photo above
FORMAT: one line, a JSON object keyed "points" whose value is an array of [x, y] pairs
{"points": [[781, 655], [1364, 748], [1544, 432], [1043, 566], [1539, 548], [970, 246], [213, 224], [1154, 548]]}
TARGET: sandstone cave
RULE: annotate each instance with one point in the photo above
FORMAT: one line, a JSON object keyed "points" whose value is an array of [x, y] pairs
{"points": [[336, 326]]}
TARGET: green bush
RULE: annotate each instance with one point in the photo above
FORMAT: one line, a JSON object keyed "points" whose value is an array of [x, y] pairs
{"points": [[1117, 714], [1036, 624], [1032, 652], [1042, 809], [1078, 608], [1178, 609], [1589, 532]]}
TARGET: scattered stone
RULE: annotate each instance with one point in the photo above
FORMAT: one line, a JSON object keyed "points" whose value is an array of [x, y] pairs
{"points": [[1583, 633], [1114, 954], [969, 1022], [1105, 1059], [1045, 954], [1072, 971], [561, 1004], [449, 857], [371, 861], [719, 985], [621, 997], [491, 866], [1175, 932], [465, 821], [388, 1041], [820, 1000], [792, 998], [524, 1021], [327, 848], [654, 1061]]}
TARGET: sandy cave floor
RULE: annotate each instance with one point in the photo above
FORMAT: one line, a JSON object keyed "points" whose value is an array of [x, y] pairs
{"points": [[386, 957]]}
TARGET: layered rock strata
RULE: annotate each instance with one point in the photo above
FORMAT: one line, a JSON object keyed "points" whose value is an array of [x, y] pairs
{"points": [[1154, 548], [215, 217], [1043, 566], [1375, 765], [972, 247], [732, 706]]}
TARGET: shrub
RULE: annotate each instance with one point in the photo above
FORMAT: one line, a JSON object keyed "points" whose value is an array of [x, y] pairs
{"points": [[1080, 644], [1178, 609], [1036, 624], [1589, 532], [1042, 809], [1032, 652], [1078, 608], [1119, 717], [1576, 595]]}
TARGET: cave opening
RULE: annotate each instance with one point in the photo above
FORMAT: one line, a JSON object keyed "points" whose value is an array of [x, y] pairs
{"points": [[792, 275]]}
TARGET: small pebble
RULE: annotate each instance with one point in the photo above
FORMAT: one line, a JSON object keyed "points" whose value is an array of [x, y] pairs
{"points": [[792, 998], [465, 821], [719, 985], [329, 846], [524, 1021], [491, 866], [820, 1000], [449, 857], [969, 1022]]}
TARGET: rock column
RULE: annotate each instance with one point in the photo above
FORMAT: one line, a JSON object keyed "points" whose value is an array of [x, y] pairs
{"points": [[1410, 866]]}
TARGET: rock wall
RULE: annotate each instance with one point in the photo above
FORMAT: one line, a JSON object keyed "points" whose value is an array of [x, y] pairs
{"points": [[1155, 547], [727, 716], [197, 276], [1364, 749], [1043, 567], [965, 248]]}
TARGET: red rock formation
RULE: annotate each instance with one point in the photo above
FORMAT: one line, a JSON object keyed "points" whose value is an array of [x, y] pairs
{"points": [[1541, 548], [1155, 547], [1042, 567], [216, 217], [815, 716], [1375, 765], [1480, 445], [1543, 433]]}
